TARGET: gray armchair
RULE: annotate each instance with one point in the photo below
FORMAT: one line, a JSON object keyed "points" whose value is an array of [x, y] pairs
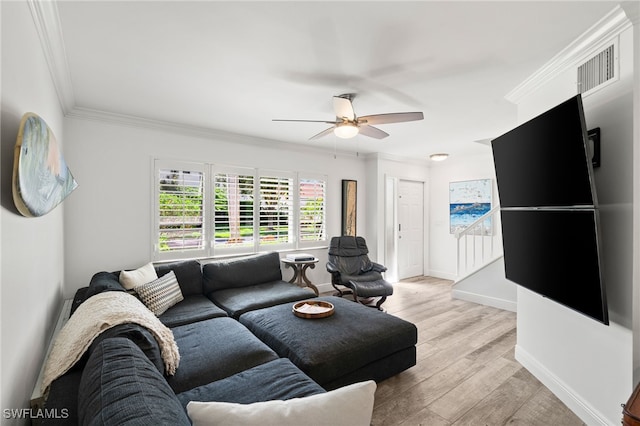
{"points": [[352, 272]]}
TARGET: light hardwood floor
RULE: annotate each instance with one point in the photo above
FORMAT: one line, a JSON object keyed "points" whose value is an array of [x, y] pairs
{"points": [[466, 373]]}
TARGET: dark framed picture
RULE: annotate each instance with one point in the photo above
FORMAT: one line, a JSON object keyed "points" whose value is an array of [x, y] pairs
{"points": [[349, 206]]}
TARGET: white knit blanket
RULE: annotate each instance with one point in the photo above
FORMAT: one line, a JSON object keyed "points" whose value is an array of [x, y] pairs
{"points": [[97, 314]]}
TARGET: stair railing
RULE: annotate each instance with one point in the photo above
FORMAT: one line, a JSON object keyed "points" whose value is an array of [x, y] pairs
{"points": [[481, 243]]}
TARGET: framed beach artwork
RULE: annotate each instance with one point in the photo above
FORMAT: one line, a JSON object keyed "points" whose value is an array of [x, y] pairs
{"points": [[468, 201], [41, 178]]}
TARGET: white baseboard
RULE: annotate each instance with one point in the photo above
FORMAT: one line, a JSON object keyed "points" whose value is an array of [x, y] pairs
{"points": [[568, 396], [506, 305]]}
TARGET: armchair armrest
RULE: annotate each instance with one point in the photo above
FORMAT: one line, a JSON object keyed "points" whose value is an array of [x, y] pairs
{"points": [[378, 267], [331, 268]]}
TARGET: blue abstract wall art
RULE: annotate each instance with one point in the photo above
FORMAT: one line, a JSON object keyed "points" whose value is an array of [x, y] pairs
{"points": [[468, 201]]}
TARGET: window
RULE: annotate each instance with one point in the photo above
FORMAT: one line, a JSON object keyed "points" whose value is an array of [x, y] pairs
{"points": [[276, 224], [311, 226], [233, 209], [180, 225], [250, 210]]}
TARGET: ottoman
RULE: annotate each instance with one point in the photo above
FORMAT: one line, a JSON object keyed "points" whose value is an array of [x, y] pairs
{"points": [[354, 344]]}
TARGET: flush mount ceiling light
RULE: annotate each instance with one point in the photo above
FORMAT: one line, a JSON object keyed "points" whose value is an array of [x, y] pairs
{"points": [[345, 130], [439, 157]]}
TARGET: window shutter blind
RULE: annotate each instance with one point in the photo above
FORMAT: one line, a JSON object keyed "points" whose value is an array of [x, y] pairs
{"points": [[312, 209], [275, 210], [233, 205], [180, 210], [204, 210]]}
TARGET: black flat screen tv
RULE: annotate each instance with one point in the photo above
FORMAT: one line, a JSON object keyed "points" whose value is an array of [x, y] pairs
{"points": [[544, 162], [555, 253], [549, 214]]}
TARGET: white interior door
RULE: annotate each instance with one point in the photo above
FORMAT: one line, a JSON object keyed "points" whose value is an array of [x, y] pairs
{"points": [[410, 229]]}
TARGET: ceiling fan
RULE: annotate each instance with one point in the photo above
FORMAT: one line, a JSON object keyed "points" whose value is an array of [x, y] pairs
{"points": [[347, 124]]}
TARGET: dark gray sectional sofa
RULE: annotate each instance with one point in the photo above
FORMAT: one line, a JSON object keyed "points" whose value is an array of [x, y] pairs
{"points": [[121, 379], [243, 285]]}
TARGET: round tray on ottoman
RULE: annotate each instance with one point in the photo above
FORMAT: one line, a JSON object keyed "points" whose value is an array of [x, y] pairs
{"points": [[313, 309]]}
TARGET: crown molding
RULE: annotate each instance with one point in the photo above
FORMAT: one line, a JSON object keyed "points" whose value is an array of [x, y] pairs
{"points": [[632, 9], [89, 114], [195, 131], [590, 42], [47, 23]]}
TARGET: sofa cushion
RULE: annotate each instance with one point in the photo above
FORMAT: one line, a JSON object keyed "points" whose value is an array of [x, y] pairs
{"points": [[63, 398], [142, 275], [347, 406], [241, 272], [278, 379], [103, 281], [119, 385], [214, 349], [193, 308], [160, 294], [79, 297], [139, 335], [237, 301], [188, 273]]}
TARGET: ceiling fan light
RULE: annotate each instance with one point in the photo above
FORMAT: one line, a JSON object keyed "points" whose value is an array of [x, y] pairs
{"points": [[345, 130], [441, 156]]}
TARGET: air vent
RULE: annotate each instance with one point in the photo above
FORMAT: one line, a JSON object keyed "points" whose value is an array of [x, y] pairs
{"points": [[597, 70]]}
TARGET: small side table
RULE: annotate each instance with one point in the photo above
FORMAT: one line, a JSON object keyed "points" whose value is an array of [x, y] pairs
{"points": [[300, 272]]}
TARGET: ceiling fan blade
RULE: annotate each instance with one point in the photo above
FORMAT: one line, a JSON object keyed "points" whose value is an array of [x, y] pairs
{"points": [[323, 133], [308, 121], [372, 132], [343, 107], [396, 117]]}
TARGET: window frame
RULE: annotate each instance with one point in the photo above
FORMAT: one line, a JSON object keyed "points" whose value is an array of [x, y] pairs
{"points": [[324, 240], [210, 171], [240, 171], [182, 166], [291, 219]]}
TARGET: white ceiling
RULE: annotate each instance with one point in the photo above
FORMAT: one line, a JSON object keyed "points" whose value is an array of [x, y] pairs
{"points": [[235, 66]]}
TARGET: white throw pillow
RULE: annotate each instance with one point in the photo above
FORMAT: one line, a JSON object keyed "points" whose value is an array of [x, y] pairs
{"points": [[142, 275], [161, 294], [350, 405]]}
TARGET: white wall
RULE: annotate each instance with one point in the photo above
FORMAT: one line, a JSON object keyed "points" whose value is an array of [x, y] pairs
{"points": [[32, 264], [633, 12], [442, 259], [108, 220], [488, 286], [587, 364]]}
